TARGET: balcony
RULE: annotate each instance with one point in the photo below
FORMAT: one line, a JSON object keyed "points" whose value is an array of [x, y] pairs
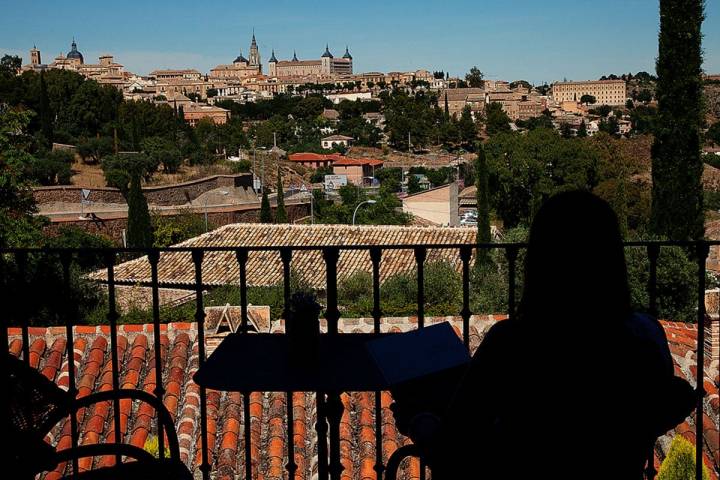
{"points": [[262, 435]]}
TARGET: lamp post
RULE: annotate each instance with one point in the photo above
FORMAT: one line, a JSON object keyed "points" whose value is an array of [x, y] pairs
{"points": [[370, 202]]}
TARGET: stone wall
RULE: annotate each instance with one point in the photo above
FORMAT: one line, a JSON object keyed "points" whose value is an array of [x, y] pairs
{"points": [[114, 227], [166, 195]]}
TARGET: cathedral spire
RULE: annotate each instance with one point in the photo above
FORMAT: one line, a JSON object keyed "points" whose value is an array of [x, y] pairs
{"points": [[295, 59], [272, 57]]}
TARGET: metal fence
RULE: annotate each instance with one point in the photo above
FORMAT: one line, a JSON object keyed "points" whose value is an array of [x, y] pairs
{"points": [[329, 465]]}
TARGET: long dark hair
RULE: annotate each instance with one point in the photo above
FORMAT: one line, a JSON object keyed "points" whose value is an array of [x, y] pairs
{"points": [[575, 265]]}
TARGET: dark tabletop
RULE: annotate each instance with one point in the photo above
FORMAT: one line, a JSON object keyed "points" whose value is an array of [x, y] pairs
{"points": [[264, 363]]}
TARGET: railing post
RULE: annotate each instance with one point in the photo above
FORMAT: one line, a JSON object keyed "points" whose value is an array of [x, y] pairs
{"points": [[291, 466], [112, 316], [21, 260], [702, 253], [465, 255], [511, 254], [197, 258], [242, 257], [653, 251], [332, 314], [65, 260], [375, 257], [159, 391], [420, 255]]}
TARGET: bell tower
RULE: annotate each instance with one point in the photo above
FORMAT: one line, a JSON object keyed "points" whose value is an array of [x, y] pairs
{"points": [[254, 60]]}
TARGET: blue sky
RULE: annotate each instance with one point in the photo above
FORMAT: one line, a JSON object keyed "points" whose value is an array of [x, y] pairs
{"points": [[511, 39]]}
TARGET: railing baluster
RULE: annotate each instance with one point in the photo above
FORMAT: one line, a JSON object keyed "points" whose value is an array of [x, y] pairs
{"points": [[65, 259], [465, 255], [420, 255], [653, 251], [375, 257], [321, 428], [702, 254], [21, 260], [332, 314], [242, 258], [197, 257], [248, 437], [112, 319], [511, 254], [159, 391], [291, 466]]}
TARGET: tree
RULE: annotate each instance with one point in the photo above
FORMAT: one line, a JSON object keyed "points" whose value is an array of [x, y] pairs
{"points": [[474, 78], [566, 130], [588, 99], [46, 117], [713, 133], [496, 120], [163, 152], [644, 96], [94, 149], [679, 464], [582, 130], [139, 230], [265, 210], [120, 169], [483, 205], [677, 210], [467, 128], [281, 215], [413, 184]]}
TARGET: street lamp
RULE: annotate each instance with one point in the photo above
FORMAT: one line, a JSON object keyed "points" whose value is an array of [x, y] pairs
{"points": [[370, 202]]}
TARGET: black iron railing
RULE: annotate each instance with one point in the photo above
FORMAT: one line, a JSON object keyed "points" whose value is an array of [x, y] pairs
{"points": [[327, 467]]}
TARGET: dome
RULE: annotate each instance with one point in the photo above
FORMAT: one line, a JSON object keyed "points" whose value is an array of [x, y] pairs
{"points": [[240, 59], [327, 53], [74, 53]]}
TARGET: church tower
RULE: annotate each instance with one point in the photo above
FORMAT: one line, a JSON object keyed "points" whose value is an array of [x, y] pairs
{"points": [[35, 56], [254, 60]]}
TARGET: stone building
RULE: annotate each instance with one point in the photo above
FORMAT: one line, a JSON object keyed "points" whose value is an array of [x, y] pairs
{"points": [[326, 65], [606, 92], [241, 68]]}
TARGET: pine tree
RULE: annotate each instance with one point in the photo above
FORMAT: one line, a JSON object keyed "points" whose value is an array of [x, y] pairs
{"points": [[482, 196], [677, 196], [679, 464], [139, 232], [265, 210], [46, 117], [447, 107], [281, 215]]}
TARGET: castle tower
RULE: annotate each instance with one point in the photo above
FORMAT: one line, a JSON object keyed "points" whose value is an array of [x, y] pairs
{"points": [[254, 60], [326, 61], [35, 56], [272, 63]]}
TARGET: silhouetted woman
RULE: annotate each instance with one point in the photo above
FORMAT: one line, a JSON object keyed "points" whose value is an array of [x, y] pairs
{"points": [[575, 385]]}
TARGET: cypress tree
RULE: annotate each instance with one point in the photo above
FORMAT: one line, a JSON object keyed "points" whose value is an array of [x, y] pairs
{"points": [[139, 232], [281, 215], [46, 120], [447, 107], [482, 197], [265, 210], [677, 205]]}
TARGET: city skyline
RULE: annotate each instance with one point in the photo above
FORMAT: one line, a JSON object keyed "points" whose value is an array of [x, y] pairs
{"points": [[538, 44]]}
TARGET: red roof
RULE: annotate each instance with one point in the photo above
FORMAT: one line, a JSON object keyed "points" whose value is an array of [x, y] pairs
{"points": [[314, 157]]}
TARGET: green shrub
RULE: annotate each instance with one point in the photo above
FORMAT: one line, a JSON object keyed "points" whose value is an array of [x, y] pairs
{"points": [[153, 448], [355, 295], [679, 464], [169, 230]]}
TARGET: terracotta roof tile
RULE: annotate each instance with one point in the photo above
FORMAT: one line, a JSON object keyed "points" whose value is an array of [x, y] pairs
{"points": [[265, 267], [226, 425]]}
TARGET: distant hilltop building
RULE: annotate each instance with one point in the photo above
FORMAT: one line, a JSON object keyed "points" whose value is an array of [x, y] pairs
{"points": [[326, 65], [106, 71], [606, 92], [241, 68]]}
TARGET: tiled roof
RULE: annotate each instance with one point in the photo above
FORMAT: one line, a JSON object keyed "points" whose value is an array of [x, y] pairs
{"points": [[225, 420], [265, 268]]}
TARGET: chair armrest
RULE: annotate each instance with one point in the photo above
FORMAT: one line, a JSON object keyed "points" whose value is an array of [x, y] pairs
{"points": [[163, 415], [397, 457]]}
